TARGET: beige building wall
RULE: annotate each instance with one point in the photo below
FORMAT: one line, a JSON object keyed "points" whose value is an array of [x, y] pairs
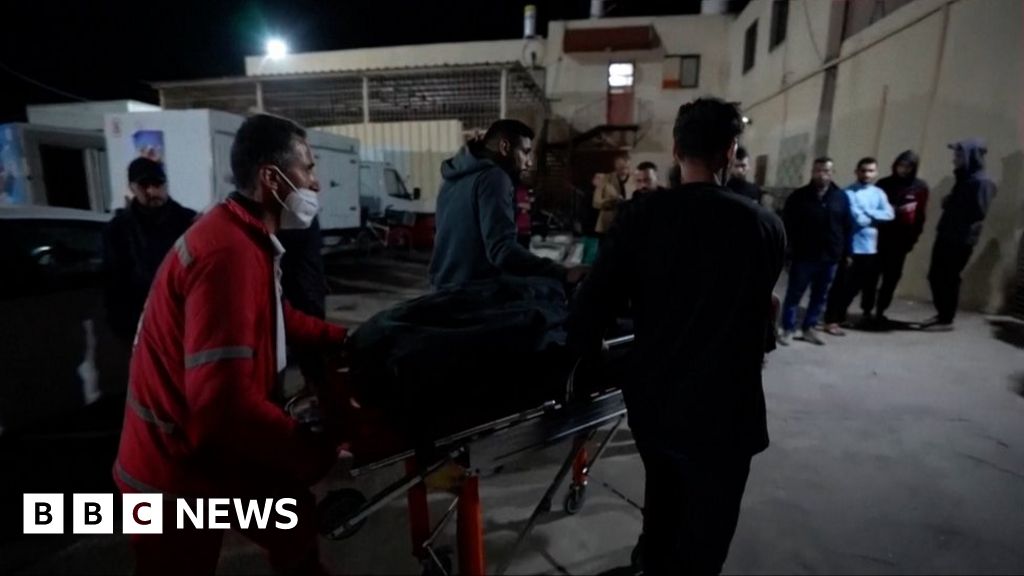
{"points": [[781, 94], [933, 72], [577, 83]]}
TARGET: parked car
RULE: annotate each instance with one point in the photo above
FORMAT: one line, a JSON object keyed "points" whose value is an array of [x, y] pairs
{"points": [[63, 374]]}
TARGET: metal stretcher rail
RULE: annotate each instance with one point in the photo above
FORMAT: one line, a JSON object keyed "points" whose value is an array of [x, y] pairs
{"points": [[491, 445]]}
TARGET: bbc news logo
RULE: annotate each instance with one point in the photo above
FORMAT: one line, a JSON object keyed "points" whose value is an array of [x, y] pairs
{"points": [[144, 513]]}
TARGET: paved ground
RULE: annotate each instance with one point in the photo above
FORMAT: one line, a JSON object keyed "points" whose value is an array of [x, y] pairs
{"points": [[898, 452]]}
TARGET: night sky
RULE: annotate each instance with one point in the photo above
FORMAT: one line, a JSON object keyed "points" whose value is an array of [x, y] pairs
{"points": [[99, 50]]}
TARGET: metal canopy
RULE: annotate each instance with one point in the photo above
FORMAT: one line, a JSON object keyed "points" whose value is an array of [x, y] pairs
{"points": [[476, 95]]}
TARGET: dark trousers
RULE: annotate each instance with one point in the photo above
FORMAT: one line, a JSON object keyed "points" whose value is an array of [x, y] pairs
{"points": [[817, 275], [949, 258], [890, 262], [690, 511], [861, 277]]}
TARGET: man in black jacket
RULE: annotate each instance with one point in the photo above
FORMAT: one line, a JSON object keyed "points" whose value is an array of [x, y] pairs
{"points": [[697, 265], [305, 287], [738, 181], [963, 212], [136, 241], [818, 228], [908, 196]]}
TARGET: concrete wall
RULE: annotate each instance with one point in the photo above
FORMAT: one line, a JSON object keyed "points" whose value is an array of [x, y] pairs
{"points": [[781, 94], [937, 88]]}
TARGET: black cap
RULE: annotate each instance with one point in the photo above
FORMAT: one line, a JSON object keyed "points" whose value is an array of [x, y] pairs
{"points": [[146, 170]]}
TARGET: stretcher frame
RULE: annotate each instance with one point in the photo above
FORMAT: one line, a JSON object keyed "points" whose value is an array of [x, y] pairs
{"points": [[488, 447]]}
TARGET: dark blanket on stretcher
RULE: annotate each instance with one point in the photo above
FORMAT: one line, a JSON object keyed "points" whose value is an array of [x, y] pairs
{"points": [[462, 356]]}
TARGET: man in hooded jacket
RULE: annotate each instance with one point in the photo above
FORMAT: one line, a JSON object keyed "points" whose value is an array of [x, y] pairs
{"points": [[908, 196], [476, 226], [963, 213]]}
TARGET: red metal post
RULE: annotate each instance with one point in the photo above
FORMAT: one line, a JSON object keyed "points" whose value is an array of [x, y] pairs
{"points": [[579, 465], [419, 513], [470, 531]]}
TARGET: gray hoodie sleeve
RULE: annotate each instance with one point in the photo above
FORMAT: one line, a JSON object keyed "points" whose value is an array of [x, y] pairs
{"points": [[496, 212]]}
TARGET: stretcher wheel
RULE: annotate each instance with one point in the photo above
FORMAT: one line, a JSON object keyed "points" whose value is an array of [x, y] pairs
{"points": [[575, 498], [337, 507]]}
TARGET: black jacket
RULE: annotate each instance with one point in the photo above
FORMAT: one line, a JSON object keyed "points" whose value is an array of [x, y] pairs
{"points": [[134, 244], [697, 265], [964, 209], [302, 269], [818, 229], [745, 188], [476, 226]]}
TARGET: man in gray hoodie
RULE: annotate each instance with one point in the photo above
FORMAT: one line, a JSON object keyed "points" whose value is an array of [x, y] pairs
{"points": [[476, 226], [959, 229]]}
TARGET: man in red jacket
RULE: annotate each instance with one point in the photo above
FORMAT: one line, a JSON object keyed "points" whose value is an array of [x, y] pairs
{"points": [[200, 418]]}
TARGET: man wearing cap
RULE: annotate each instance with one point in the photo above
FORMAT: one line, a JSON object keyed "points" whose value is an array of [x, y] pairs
{"points": [[963, 212], [136, 241]]}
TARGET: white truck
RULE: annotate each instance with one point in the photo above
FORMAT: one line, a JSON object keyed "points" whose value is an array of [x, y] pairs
{"points": [[195, 147]]}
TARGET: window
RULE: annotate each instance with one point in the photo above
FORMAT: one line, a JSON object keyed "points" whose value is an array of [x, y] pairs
{"points": [[780, 17], [750, 47], [393, 185], [681, 71], [620, 74]]}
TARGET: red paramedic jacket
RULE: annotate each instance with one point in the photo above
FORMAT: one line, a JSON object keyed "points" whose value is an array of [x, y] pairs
{"points": [[199, 419]]}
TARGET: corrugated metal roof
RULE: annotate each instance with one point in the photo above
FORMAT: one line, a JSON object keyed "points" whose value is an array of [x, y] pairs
{"points": [[471, 93], [281, 76]]}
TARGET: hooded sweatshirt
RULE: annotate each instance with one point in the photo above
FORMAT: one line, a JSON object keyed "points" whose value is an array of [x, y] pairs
{"points": [[909, 199], [476, 225], [964, 209]]}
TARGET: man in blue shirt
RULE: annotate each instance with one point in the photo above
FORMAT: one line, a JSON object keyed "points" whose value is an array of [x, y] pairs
{"points": [[869, 205]]}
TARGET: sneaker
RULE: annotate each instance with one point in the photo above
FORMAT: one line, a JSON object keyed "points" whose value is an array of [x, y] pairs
{"points": [[833, 330], [784, 337], [810, 336]]}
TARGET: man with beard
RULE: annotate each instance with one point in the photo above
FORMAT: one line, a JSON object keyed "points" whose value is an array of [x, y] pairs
{"points": [[476, 225]]}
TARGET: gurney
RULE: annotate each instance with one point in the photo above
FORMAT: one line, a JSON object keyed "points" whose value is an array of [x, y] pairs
{"points": [[481, 449]]}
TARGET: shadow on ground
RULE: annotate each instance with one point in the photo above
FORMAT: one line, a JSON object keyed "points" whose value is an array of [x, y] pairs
{"points": [[1009, 331]]}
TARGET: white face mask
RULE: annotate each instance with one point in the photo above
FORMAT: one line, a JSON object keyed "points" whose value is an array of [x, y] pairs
{"points": [[299, 208]]}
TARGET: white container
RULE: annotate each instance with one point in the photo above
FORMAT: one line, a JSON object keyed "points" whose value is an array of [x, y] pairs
{"points": [[195, 147]]}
